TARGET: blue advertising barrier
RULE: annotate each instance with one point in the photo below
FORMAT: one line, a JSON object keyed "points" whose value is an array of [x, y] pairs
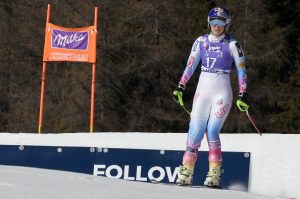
{"points": [[130, 164]]}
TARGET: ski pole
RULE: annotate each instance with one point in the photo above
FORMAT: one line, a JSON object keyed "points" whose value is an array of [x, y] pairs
{"points": [[180, 101], [252, 122], [244, 108]]}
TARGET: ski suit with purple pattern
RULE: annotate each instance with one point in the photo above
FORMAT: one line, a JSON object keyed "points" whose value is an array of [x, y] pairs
{"points": [[213, 97]]}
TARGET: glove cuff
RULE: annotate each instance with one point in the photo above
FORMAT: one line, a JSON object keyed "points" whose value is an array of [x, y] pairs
{"points": [[181, 86], [242, 94]]}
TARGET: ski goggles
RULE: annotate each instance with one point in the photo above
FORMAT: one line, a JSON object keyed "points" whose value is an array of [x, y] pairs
{"points": [[217, 21]]}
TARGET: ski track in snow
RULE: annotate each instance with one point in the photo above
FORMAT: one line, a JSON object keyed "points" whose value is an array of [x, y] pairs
{"points": [[34, 183]]}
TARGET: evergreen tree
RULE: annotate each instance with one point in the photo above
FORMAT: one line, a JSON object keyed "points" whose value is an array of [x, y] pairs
{"points": [[142, 50]]}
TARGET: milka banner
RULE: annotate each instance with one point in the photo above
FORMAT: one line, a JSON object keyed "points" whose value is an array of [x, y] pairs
{"points": [[70, 44]]}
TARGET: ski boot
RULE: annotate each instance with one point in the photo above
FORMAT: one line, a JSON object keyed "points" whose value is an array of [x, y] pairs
{"points": [[185, 175], [213, 179]]}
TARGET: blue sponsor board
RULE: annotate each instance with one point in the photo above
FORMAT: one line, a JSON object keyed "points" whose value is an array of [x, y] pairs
{"points": [[130, 164]]}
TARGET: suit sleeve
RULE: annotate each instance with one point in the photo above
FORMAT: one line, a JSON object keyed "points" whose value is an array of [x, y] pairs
{"points": [[192, 63], [237, 53]]}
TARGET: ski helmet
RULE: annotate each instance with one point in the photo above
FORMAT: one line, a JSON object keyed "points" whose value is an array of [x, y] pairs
{"points": [[219, 16]]}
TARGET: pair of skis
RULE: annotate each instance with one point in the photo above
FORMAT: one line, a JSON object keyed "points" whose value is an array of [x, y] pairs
{"points": [[245, 109]]}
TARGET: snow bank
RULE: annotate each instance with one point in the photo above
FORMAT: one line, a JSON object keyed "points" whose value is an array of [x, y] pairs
{"points": [[274, 166]]}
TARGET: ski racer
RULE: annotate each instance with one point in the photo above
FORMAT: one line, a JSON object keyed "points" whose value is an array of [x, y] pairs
{"points": [[212, 102]]}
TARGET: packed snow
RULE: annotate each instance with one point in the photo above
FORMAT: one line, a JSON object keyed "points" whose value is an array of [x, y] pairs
{"points": [[33, 183], [274, 165]]}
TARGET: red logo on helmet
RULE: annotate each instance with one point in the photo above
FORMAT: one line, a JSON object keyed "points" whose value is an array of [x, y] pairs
{"points": [[219, 9]]}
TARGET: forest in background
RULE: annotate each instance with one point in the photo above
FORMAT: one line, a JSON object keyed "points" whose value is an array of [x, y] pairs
{"points": [[142, 49]]}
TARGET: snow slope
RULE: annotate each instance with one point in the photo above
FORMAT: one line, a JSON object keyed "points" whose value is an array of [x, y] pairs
{"points": [[33, 183]]}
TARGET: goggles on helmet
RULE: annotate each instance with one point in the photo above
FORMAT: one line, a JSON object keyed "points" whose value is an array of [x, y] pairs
{"points": [[217, 21]]}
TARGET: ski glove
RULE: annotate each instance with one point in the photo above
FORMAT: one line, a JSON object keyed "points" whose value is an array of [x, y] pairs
{"points": [[242, 101], [178, 93]]}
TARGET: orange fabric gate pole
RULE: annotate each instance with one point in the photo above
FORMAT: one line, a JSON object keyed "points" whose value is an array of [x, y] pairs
{"points": [[93, 80], [43, 83]]}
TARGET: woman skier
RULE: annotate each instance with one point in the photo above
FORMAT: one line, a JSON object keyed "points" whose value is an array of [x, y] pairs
{"points": [[213, 97]]}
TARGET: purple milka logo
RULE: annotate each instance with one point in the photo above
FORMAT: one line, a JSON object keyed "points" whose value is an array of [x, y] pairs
{"points": [[69, 40]]}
